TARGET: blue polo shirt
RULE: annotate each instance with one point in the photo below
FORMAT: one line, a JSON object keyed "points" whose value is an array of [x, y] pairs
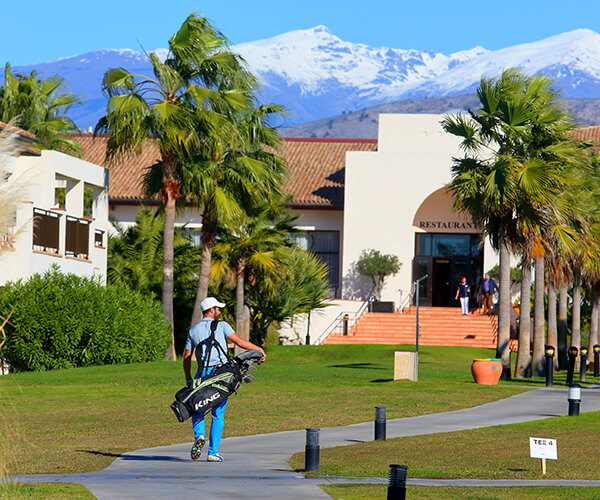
{"points": [[201, 332]]}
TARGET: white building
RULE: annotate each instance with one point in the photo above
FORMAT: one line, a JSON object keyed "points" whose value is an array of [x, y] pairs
{"points": [[62, 218]]}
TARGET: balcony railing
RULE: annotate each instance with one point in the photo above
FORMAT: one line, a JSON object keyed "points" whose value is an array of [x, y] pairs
{"points": [[77, 242], [45, 231]]}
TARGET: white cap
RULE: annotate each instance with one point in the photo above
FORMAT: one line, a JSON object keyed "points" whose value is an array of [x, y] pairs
{"points": [[209, 303]]}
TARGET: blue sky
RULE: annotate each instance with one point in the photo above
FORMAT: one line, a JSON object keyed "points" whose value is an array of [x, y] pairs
{"points": [[42, 30]]}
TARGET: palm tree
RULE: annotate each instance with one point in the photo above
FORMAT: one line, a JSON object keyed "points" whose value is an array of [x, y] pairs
{"points": [[182, 107], [233, 185], [515, 147], [249, 248], [39, 105], [523, 368]]}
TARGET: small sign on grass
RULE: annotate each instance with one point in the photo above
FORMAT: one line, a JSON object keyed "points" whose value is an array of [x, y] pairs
{"points": [[543, 448]]}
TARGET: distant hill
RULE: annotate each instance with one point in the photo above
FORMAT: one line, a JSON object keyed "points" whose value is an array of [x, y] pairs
{"points": [[364, 123]]}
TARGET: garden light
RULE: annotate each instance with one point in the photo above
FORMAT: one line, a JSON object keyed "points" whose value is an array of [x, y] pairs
{"points": [[574, 399], [311, 459], [380, 423], [583, 364], [596, 360], [572, 357], [549, 365], [397, 484], [345, 323]]}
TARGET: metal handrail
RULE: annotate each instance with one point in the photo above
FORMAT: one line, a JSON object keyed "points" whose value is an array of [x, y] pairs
{"points": [[408, 300], [353, 318]]}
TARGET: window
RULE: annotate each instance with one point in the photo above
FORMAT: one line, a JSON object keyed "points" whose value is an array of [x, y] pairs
{"points": [[99, 238], [45, 230], [447, 244], [326, 246], [77, 237]]}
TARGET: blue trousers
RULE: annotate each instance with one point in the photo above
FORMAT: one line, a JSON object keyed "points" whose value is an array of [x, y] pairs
{"points": [[216, 427]]}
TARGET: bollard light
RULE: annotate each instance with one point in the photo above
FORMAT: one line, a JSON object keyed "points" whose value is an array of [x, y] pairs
{"points": [[596, 360], [380, 423], [397, 484], [574, 400], [583, 364], [311, 458], [572, 358], [549, 365], [345, 323]]}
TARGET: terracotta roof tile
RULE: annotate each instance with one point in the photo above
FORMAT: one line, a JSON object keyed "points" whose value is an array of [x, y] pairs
{"points": [[316, 168], [588, 133]]}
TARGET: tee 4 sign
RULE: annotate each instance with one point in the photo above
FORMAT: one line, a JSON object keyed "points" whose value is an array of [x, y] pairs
{"points": [[543, 448]]}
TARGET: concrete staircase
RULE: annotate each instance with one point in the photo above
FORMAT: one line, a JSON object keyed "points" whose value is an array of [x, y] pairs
{"points": [[439, 326]]}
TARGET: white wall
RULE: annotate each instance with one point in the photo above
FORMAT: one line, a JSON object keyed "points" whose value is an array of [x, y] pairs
{"points": [[384, 191], [40, 172]]}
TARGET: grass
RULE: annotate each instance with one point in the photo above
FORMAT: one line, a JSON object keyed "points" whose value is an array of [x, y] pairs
{"points": [[81, 419], [48, 491], [362, 492], [500, 452]]}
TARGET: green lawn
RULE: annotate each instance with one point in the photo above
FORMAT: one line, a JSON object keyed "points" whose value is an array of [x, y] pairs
{"points": [[47, 491], [81, 419], [369, 492], [500, 452]]}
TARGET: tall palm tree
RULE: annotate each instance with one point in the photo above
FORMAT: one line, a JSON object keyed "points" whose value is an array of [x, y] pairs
{"points": [[509, 178], [231, 186], [39, 105], [182, 107], [523, 367]]}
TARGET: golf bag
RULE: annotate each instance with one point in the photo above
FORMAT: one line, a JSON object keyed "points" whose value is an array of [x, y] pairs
{"points": [[209, 391]]}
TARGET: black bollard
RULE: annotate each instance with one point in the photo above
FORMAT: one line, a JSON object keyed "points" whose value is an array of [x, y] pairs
{"points": [[397, 485], [596, 360], [549, 365], [345, 323], [572, 358], [574, 400], [311, 459], [380, 423], [583, 364]]}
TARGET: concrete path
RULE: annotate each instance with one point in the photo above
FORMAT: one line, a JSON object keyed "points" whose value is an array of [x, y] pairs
{"points": [[256, 466]]}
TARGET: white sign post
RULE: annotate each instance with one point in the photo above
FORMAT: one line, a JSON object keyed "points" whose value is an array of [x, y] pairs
{"points": [[543, 448]]}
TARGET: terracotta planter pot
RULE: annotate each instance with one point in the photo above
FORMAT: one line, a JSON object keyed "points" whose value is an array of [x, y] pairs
{"points": [[486, 371]]}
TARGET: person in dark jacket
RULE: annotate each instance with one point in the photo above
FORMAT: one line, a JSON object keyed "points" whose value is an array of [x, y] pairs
{"points": [[488, 289], [463, 291]]}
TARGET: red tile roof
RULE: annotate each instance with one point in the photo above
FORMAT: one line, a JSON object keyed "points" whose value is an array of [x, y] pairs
{"points": [[25, 139], [316, 168], [588, 133]]}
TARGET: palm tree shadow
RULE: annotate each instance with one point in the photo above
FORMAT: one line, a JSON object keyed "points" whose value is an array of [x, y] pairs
{"points": [[141, 458]]}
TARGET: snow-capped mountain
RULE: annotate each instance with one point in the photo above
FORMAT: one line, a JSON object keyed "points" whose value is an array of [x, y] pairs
{"points": [[316, 74]]}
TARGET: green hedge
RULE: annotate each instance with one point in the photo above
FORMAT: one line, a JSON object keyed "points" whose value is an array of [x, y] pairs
{"points": [[64, 320]]}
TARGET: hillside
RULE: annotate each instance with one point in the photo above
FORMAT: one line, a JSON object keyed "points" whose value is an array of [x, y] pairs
{"points": [[364, 123]]}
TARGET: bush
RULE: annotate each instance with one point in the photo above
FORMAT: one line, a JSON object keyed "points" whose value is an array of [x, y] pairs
{"points": [[64, 320]]}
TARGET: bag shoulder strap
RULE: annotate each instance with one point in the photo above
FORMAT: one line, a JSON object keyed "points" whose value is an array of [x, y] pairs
{"points": [[209, 342]]}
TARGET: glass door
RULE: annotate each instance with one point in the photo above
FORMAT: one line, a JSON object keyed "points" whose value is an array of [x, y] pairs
{"points": [[422, 267]]}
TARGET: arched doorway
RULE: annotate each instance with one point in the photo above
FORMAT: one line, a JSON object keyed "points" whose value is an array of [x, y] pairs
{"points": [[447, 246]]}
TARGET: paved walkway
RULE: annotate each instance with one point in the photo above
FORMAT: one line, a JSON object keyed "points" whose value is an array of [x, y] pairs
{"points": [[256, 466]]}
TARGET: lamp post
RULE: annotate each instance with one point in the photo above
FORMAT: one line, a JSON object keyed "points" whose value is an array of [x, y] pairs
{"points": [[596, 360], [549, 365], [572, 351], [574, 399], [583, 364]]}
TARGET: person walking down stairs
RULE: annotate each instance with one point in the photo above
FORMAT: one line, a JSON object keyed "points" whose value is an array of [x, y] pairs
{"points": [[463, 291]]}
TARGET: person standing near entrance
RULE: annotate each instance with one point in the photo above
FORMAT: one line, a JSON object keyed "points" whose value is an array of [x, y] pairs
{"points": [[463, 292], [488, 289]]}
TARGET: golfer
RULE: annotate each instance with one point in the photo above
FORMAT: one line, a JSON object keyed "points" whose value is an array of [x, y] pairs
{"points": [[200, 333]]}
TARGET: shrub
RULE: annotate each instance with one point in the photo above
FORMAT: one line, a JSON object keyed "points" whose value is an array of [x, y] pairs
{"points": [[63, 320]]}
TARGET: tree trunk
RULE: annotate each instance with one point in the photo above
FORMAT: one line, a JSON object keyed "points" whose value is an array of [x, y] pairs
{"points": [[523, 368], [503, 348], [563, 328], [595, 314], [552, 325], [170, 195], [538, 368], [208, 237], [239, 303], [576, 314]]}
